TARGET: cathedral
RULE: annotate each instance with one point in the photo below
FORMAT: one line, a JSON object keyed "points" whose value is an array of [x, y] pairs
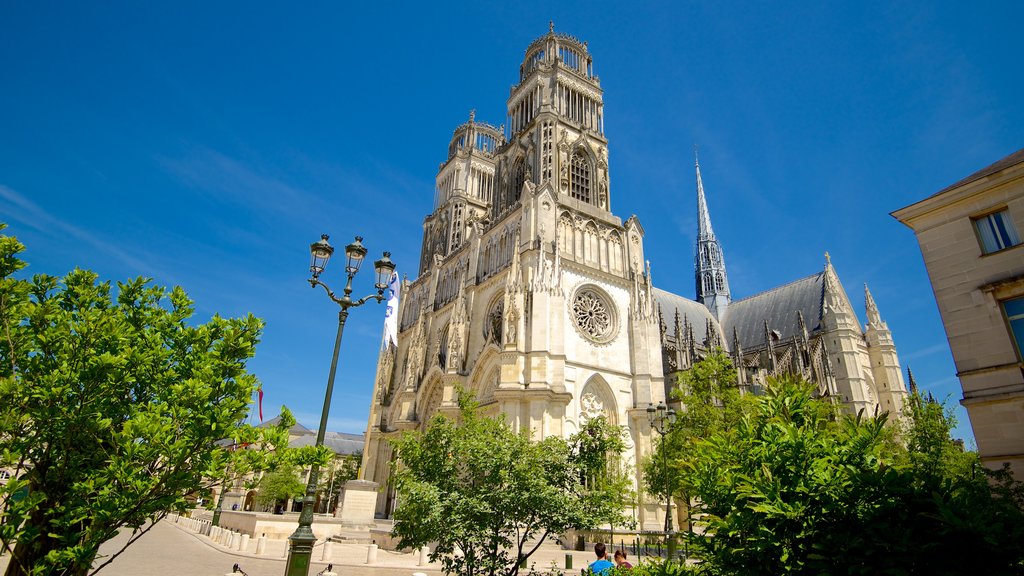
{"points": [[535, 296]]}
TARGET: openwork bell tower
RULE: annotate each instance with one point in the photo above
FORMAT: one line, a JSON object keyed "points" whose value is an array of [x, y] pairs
{"points": [[531, 294]]}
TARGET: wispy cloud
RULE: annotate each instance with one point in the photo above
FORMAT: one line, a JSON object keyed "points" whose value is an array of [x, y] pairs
{"points": [[20, 209], [227, 178], [924, 352]]}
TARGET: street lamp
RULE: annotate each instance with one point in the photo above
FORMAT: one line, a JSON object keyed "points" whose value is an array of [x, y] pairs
{"points": [[662, 418], [300, 543]]}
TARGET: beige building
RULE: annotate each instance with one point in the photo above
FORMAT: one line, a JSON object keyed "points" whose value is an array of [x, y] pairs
{"points": [[970, 239], [533, 294]]}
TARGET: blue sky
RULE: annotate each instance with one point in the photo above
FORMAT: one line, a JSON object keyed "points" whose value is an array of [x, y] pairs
{"points": [[207, 144]]}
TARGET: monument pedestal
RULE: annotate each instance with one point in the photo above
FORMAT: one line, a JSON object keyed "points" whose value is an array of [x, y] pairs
{"points": [[358, 503]]}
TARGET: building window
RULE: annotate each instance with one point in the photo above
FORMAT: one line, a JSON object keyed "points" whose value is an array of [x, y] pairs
{"points": [[580, 183], [1014, 310], [996, 231]]}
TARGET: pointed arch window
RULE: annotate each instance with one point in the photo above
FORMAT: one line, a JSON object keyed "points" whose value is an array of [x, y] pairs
{"points": [[518, 177], [579, 182]]}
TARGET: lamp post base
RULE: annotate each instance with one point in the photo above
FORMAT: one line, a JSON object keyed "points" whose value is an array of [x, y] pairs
{"points": [[300, 552]]}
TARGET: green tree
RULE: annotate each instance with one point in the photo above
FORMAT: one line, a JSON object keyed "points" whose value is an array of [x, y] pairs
{"points": [[111, 402], [280, 484], [711, 401], [494, 495], [930, 450], [253, 451], [340, 469], [795, 488]]}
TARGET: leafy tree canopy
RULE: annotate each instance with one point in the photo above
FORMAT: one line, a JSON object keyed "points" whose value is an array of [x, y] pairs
{"points": [[111, 403], [280, 484], [795, 489], [477, 487], [710, 401]]}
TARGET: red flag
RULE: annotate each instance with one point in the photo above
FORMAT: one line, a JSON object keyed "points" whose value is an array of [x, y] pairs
{"points": [[261, 402]]}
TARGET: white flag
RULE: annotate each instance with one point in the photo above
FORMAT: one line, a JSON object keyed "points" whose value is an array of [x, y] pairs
{"points": [[391, 314]]}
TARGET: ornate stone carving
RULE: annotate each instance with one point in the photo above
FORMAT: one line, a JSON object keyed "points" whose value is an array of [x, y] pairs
{"points": [[592, 315], [591, 406], [492, 324]]}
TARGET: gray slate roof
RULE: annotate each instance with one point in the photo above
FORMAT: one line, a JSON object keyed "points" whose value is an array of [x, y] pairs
{"points": [[296, 430], [340, 442], [693, 311], [779, 306], [997, 166]]}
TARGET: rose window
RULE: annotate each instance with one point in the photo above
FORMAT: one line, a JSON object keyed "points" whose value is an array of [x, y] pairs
{"points": [[592, 315]]}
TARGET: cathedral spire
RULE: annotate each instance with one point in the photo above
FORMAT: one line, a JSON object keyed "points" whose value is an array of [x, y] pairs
{"points": [[704, 231], [874, 318], [709, 264]]}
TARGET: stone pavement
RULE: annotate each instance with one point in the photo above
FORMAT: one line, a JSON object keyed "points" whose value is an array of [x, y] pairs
{"points": [[168, 550], [171, 549]]}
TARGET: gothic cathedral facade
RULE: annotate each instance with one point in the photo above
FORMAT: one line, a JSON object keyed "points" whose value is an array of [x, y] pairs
{"points": [[532, 294]]}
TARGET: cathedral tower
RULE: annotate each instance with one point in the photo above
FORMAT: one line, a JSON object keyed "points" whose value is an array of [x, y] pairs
{"points": [[708, 262], [531, 293]]}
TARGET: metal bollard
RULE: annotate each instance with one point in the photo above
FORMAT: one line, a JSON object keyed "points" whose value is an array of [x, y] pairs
{"points": [[328, 551], [568, 561]]}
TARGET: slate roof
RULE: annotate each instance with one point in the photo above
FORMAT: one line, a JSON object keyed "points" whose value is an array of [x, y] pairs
{"points": [[997, 166], [296, 430], [340, 442], [694, 311], [779, 306]]}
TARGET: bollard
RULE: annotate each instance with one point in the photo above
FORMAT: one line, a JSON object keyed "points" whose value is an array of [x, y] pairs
{"points": [[213, 533], [284, 553], [424, 551], [327, 552], [371, 554], [568, 561], [261, 545], [243, 543]]}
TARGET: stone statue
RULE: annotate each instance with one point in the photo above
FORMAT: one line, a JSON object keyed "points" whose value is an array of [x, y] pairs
{"points": [[510, 325]]}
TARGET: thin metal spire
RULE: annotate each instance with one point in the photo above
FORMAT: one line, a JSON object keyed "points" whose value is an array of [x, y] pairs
{"points": [[704, 231], [709, 263]]}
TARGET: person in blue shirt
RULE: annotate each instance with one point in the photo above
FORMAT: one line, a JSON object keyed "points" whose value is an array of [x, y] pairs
{"points": [[602, 565]]}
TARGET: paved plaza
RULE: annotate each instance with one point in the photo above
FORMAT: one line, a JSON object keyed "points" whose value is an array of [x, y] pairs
{"points": [[170, 549]]}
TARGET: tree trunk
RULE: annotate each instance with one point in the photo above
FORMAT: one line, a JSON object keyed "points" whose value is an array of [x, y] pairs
{"points": [[28, 555]]}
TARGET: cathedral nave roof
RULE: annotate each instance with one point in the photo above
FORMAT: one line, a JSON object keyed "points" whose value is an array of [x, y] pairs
{"points": [[779, 307]]}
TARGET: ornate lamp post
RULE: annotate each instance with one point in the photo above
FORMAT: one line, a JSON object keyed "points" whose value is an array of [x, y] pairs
{"points": [[662, 418], [300, 543]]}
